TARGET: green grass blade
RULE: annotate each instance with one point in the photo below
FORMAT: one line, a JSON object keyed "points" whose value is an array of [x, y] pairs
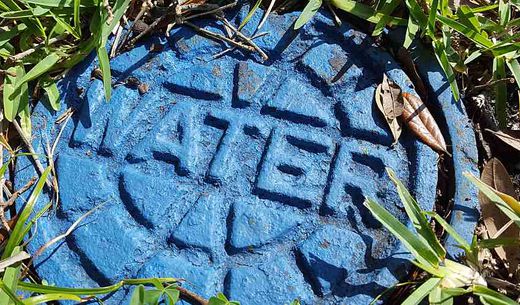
{"points": [[17, 14], [499, 72], [44, 298], [411, 31], [41, 67], [455, 291], [66, 26], [414, 212], [33, 24], [104, 65], [421, 292], [10, 293], [53, 94], [514, 66], [364, 11], [138, 296], [37, 216], [308, 12], [505, 49], [250, 14], [432, 17], [492, 195], [22, 91], [472, 57], [11, 99], [172, 295], [11, 4], [442, 57], [484, 8], [17, 234], [4, 168], [504, 11], [492, 243], [62, 3], [466, 31], [492, 297], [513, 23], [118, 10], [14, 31], [10, 279], [419, 249], [37, 288], [438, 297], [417, 12], [77, 21], [451, 231], [388, 7], [25, 120], [467, 17]]}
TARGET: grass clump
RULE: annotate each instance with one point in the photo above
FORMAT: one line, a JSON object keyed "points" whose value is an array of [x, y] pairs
{"points": [[43, 38], [448, 279]]}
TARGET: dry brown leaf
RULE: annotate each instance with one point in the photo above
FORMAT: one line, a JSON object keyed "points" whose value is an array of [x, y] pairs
{"points": [[391, 98], [422, 124], [390, 102], [496, 176], [510, 137]]}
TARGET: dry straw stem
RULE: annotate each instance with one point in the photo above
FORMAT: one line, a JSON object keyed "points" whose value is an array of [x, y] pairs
{"points": [[33, 154], [216, 36], [243, 37]]}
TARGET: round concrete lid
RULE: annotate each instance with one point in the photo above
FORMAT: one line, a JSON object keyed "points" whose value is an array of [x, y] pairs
{"points": [[240, 176]]}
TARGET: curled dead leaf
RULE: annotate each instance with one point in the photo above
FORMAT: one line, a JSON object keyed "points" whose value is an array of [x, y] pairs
{"points": [[422, 124], [390, 103], [509, 137], [391, 98], [496, 176]]}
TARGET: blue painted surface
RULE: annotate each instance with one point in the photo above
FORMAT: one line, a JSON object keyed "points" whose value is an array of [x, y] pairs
{"points": [[240, 176], [466, 210]]}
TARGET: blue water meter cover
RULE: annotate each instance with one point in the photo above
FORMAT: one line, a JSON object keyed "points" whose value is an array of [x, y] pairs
{"points": [[239, 175]]}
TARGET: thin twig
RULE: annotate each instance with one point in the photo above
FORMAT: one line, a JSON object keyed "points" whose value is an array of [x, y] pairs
{"points": [[337, 20], [191, 297], [7, 191], [244, 38], [502, 230], [216, 10], [219, 37], [61, 236], [30, 148], [266, 14], [113, 50], [65, 120], [65, 115], [492, 83], [219, 54], [144, 8], [17, 193], [18, 257], [148, 30]]}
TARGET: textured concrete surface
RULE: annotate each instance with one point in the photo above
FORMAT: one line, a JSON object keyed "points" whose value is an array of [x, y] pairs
{"points": [[240, 176]]}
